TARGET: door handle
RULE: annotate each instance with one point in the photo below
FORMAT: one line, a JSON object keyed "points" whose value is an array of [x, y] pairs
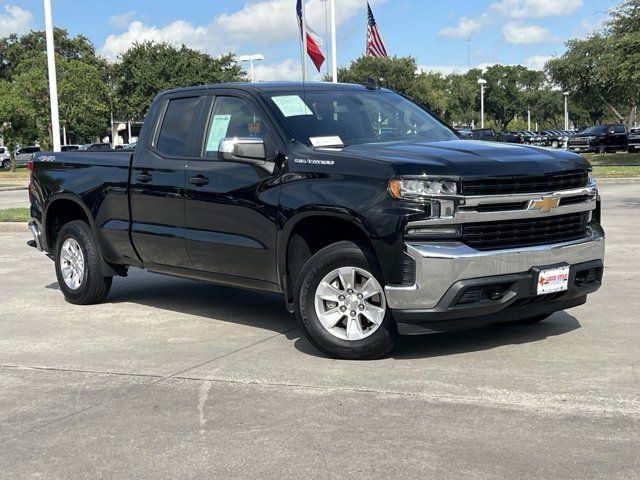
{"points": [[199, 180], [144, 177]]}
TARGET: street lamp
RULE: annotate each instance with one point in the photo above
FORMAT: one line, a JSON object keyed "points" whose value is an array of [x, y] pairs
{"points": [[566, 110], [251, 58], [482, 82]]}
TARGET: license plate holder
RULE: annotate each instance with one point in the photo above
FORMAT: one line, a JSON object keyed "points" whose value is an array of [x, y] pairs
{"points": [[552, 279]]}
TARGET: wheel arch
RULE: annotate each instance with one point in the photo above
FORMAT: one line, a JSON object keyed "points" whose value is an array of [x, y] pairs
{"points": [[61, 209], [309, 232]]}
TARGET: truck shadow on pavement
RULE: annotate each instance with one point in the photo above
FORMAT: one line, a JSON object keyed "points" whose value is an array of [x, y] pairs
{"points": [[267, 311]]}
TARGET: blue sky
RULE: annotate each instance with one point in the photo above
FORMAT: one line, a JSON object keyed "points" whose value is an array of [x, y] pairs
{"points": [[433, 31]]}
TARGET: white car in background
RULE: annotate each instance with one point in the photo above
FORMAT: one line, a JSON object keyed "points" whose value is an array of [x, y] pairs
{"points": [[5, 158], [24, 154]]}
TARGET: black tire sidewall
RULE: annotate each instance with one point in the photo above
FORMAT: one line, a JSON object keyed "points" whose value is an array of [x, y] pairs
{"points": [[94, 286], [340, 254]]}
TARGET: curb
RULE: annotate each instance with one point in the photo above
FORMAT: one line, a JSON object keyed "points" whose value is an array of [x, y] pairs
{"points": [[11, 189], [617, 180], [13, 227]]}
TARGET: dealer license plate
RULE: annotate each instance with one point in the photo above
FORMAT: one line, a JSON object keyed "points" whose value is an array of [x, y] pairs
{"points": [[553, 280]]}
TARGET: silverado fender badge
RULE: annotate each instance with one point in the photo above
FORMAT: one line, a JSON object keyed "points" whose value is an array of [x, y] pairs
{"points": [[544, 204], [310, 161]]}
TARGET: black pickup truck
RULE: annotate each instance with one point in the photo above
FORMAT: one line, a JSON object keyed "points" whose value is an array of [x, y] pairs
{"points": [[366, 212]]}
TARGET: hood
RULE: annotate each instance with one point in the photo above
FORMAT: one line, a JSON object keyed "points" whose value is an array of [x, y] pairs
{"points": [[470, 158]]}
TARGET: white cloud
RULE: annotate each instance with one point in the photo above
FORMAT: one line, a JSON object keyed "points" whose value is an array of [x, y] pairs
{"points": [[449, 69], [466, 27], [518, 33], [536, 62], [260, 22], [15, 20], [289, 69], [536, 8], [122, 20]]}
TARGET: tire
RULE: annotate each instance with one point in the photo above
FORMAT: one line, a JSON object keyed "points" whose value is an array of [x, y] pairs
{"points": [[631, 149], [555, 144], [370, 338], [80, 264], [6, 164], [602, 150], [529, 321]]}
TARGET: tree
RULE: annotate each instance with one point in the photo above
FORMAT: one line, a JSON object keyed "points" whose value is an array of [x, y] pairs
{"points": [[507, 90], [15, 49], [395, 73], [605, 68], [148, 68]]}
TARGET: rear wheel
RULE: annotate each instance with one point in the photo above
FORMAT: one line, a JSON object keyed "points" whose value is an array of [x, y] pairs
{"points": [[602, 150], [78, 263], [341, 306]]}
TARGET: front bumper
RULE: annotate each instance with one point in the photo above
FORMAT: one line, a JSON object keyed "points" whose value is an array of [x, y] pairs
{"points": [[444, 270]]}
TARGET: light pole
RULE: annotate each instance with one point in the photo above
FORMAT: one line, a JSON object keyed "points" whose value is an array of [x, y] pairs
{"points": [[53, 84], [256, 57], [566, 110], [482, 82], [528, 119]]}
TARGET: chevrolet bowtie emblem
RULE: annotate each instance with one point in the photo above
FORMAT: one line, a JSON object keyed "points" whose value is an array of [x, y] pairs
{"points": [[545, 204]]}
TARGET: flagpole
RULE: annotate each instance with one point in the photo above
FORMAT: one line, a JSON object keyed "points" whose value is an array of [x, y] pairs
{"points": [[334, 63], [53, 84], [304, 43]]}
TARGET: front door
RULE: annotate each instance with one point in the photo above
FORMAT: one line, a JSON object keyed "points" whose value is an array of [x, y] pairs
{"points": [[231, 208], [157, 184]]}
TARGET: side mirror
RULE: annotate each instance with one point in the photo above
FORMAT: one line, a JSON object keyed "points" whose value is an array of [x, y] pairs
{"points": [[248, 150], [611, 131]]}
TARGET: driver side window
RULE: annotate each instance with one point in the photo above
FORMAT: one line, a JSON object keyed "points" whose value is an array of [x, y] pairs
{"points": [[235, 117]]}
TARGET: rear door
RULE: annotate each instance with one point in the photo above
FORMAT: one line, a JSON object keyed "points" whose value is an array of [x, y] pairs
{"points": [[620, 137], [231, 208], [158, 179]]}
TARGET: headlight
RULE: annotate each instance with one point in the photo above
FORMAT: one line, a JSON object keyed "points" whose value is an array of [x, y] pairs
{"points": [[414, 189]]}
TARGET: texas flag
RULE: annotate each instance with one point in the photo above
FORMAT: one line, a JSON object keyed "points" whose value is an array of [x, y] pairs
{"points": [[314, 42]]}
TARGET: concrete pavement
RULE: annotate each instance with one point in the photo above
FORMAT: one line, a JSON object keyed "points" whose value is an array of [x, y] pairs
{"points": [[14, 199], [181, 379]]}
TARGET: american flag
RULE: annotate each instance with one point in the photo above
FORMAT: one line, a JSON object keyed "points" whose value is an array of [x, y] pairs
{"points": [[375, 45]]}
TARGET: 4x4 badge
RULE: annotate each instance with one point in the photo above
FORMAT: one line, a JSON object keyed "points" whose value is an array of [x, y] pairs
{"points": [[545, 204]]}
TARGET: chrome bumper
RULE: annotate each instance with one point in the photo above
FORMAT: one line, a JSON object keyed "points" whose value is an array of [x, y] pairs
{"points": [[440, 265]]}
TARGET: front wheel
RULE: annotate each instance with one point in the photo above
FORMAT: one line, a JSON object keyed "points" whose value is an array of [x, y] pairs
{"points": [[78, 263], [6, 164], [341, 306]]}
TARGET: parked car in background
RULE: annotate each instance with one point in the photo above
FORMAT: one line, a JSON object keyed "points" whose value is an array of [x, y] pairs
{"points": [[94, 147], [600, 138], [5, 158], [634, 140], [69, 148], [130, 147], [554, 138], [466, 134], [491, 135], [24, 154]]}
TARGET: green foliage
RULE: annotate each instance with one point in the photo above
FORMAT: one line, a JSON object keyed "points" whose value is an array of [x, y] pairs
{"points": [[148, 68]]}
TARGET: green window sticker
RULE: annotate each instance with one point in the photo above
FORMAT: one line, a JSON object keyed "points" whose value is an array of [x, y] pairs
{"points": [[291, 105], [217, 131]]}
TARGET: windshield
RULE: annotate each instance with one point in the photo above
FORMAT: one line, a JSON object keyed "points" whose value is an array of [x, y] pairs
{"points": [[595, 129], [356, 117]]}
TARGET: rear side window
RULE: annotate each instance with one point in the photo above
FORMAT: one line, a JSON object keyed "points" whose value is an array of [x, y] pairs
{"points": [[176, 134], [619, 129]]}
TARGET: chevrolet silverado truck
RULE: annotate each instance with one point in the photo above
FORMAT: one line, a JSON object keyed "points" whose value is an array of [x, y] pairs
{"points": [[370, 215]]}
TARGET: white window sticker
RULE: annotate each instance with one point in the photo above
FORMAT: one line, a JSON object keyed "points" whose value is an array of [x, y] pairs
{"points": [[332, 141], [217, 131], [291, 105]]}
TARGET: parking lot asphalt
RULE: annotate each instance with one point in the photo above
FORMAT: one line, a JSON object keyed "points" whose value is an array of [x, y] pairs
{"points": [[174, 378], [14, 199]]}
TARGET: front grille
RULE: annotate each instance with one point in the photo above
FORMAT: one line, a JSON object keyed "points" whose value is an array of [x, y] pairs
{"points": [[528, 184], [525, 233]]}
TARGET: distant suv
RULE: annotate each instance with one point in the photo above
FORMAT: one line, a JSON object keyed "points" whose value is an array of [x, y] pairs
{"points": [[94, 147], [600, 138], [634, 140], [5, 158], [25, 154]]}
